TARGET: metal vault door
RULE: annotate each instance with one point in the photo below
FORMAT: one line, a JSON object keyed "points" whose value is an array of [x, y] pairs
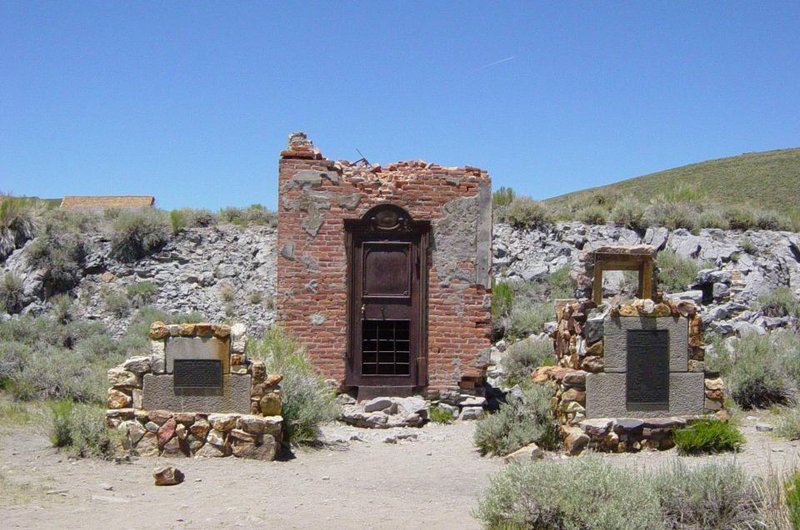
{"points": [[387, 302]]}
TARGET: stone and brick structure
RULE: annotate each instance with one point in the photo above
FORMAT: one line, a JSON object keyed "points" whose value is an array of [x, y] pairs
{"points": [[196, 394], [627, 375], [383, 271]]}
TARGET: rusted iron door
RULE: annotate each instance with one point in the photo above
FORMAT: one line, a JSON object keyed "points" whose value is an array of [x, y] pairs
{"points": [[387, 303]]}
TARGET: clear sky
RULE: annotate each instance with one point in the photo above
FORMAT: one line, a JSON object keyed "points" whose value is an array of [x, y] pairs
{"points": [[192, 101]]}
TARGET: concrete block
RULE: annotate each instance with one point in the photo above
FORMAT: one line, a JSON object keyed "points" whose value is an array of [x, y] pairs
{"points": [[606, 396], [616, 336], [158, 393]]}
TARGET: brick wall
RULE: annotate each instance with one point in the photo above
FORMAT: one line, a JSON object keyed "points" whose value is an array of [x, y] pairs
{"points": [[316, 195]]}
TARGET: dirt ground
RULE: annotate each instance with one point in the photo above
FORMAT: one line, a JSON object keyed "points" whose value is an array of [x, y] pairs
{"points": [[431, 480]]}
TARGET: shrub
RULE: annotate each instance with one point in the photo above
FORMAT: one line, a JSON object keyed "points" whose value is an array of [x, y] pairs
{"points": [[585, 494], [714, 495], [517, 423], [561, 284], [770, 220], [253, 214], [440, 415], [712, 218], [190, 218], [142, 293], [792, 491], [139, 233], [749, 247], [789, 424], [18, 222], [502, 299], [592, 215], [255, 297], [523, 357], [740, 218], [708, 436], [11, 292], [59, 255], [115, 303], [528, 317], [502, 196], [81, 429], [779, 302], [307, 400], [671, 214], [758, 378], [524, 212], [676, 273], [225, 292], [628, 213]]}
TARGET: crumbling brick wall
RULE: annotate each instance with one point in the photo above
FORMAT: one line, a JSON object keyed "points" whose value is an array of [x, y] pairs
{"points": [[316, 195]]}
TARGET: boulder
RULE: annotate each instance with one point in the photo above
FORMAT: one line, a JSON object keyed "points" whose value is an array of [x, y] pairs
{"points": [[377, 404], [472, 413], [526, 454], [167, 476]]}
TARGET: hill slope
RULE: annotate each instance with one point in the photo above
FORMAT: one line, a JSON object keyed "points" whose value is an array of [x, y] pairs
{"points": [[767, 180]]}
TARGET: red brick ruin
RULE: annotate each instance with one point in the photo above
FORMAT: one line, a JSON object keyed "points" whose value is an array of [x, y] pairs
{"points": [[383, 272]]}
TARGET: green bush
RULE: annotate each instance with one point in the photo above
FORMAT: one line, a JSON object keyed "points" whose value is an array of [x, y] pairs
{"points": [[138, 234], [502, 196], [714, 495], [561, 284], [141, 294], [59, 255], [517, 423], [792, 492], [440, 415], [527, 318], [184, 218], [708, 437], [759, 377], [307, 400], [671, 214], [580, 494], [524, 212], [740, 218], [11, 292], [770, 220], [523, 357], [712, 218], [629, 213], [789, 424], [779, 302], [81, 429], [18, 223], [254, 214], [592, 215], [676, 273], [749, 247], [502, 300], [115, 303]]}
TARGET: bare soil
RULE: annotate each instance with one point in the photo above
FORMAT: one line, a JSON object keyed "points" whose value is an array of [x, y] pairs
{"points": [[432, 479]]}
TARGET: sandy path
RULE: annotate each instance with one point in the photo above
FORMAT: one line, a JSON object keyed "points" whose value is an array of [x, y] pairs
{"points": [[432, 482]]}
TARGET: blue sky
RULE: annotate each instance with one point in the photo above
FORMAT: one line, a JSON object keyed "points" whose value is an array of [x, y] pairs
{"points": [[192, 101]]}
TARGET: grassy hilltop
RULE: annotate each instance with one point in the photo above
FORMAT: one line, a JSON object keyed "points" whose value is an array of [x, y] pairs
{"points": [[764, 180]]}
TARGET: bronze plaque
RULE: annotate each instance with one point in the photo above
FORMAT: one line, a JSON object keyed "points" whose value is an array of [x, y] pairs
{"points": [[648, 368], [198, 377]]}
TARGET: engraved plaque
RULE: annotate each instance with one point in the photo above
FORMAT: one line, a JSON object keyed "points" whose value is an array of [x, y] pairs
{"points": [[198, 377], [648, 369]]}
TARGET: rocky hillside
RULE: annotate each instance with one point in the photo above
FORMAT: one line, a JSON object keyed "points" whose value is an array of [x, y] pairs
{"points": [[227, 272], [223, 272]]}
